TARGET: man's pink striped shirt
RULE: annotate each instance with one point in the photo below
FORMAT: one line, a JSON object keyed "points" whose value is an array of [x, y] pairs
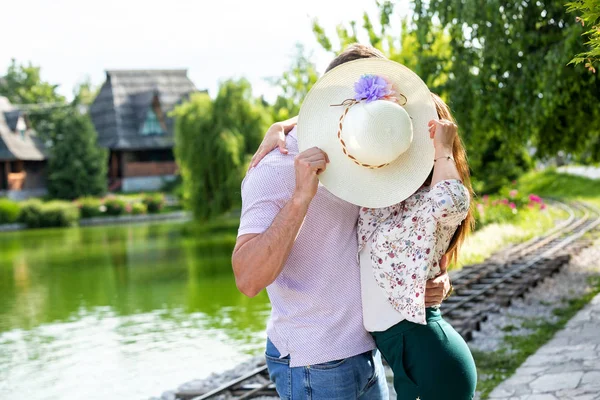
{"points": [[316, 311]]}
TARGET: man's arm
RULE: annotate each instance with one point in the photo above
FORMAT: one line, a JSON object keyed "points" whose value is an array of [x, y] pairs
{"points": [[259, 258], [438, 288]]}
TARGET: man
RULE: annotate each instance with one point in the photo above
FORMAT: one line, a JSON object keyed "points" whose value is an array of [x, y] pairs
{"points": [[299, 241]]}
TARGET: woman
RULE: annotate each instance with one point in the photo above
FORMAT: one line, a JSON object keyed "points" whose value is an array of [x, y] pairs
{"points": [[430, 360]]}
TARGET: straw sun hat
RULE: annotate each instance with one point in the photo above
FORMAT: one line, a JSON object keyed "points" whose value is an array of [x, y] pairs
{"points": [[370, 116]]}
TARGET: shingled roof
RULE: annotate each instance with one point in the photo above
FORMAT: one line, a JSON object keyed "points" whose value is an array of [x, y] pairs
{"points": [[13, 146], [120, 109]]}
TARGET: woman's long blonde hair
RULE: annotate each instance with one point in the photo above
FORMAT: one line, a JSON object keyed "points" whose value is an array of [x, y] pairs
{"points": [[462, 165]]}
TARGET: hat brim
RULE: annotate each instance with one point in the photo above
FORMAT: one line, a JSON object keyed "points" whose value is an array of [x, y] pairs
{"points": [[317, 127]]}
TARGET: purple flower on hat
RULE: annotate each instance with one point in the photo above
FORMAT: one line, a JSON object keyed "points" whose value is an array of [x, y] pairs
{"points": [[372, 87]]}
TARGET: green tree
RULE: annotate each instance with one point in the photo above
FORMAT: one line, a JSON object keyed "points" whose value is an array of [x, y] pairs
{"points": [[425, 52], [22, 84], [84, 92], [77, 166], [510, 85], [295, 84], [589, 11], [212, 141], [502, 67], [236, 110]]}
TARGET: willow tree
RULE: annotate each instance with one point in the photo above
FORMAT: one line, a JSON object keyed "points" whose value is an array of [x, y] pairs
{"points": [[213, 139]]}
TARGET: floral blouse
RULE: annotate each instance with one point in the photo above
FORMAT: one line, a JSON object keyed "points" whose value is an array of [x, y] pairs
{"points": [[408, 239]]}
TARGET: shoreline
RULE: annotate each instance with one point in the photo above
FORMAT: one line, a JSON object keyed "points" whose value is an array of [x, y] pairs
{"points": [[117, 220]]}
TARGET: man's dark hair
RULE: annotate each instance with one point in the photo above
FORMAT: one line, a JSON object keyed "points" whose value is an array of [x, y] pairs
{"points": [[353, 52]]}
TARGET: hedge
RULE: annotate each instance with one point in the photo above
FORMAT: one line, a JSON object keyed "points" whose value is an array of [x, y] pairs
{"points": [[36, 214], [91, 207], [154, 201], [138, 208], [115, 206], [9, 211]]}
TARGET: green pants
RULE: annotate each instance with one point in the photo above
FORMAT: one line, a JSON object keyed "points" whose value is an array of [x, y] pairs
{"points": [[430, 362]]}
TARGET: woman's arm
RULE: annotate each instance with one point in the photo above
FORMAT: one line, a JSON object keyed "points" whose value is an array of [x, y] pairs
{"points": [[275, 137], [449, 199], [443, 133]]}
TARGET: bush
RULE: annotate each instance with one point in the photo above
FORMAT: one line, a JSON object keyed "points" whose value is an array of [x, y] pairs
{"points": [[91, 207], [31, 213], [138, 209], [115, 206], [154, 202], [36, 214], [59, 213], [9, 211]]}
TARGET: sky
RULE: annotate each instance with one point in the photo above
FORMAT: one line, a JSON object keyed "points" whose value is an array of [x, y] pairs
{"points": [[215, 40]]}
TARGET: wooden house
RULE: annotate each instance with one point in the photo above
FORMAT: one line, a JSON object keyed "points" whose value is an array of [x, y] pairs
{"points": [[22, 155], [131, 116]]}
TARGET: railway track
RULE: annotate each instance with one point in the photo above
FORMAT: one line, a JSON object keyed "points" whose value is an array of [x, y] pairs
{"points": [[480, 289], [485, 288]]}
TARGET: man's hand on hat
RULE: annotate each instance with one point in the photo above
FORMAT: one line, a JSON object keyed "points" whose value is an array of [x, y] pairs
{"points": [[309, 164], [443, 132]]}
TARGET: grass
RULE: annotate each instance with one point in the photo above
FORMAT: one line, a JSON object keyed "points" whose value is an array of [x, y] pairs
{"points": [[494, 237], [559, 185], [495, 367], [548, 183]]}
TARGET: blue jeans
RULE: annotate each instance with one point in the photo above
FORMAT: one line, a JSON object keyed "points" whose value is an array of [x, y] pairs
{"points": [[359, 377]]}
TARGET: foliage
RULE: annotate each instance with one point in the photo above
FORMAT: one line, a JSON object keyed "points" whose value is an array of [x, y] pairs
{"points": [[235, 110], [552, 183], [154, 202], [36, 214], [77, 166], [91, 207], [589, 11], [22, 84], [212, 141], [295, 85], [9, 211], [115, 206], [431, 61], [505, 207], [31, 213], [139, 208], [510, 86], [502, 67], [60, 214], [84, 92]]}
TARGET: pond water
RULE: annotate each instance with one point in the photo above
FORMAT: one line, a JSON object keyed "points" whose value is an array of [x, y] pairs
{"points": [[120, 312]]}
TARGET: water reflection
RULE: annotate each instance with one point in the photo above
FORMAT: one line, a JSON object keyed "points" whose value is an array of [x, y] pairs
{"points": [[143, 308]]}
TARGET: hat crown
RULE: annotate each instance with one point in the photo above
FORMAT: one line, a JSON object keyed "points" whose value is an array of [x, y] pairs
{"points": [[377, 132]]}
